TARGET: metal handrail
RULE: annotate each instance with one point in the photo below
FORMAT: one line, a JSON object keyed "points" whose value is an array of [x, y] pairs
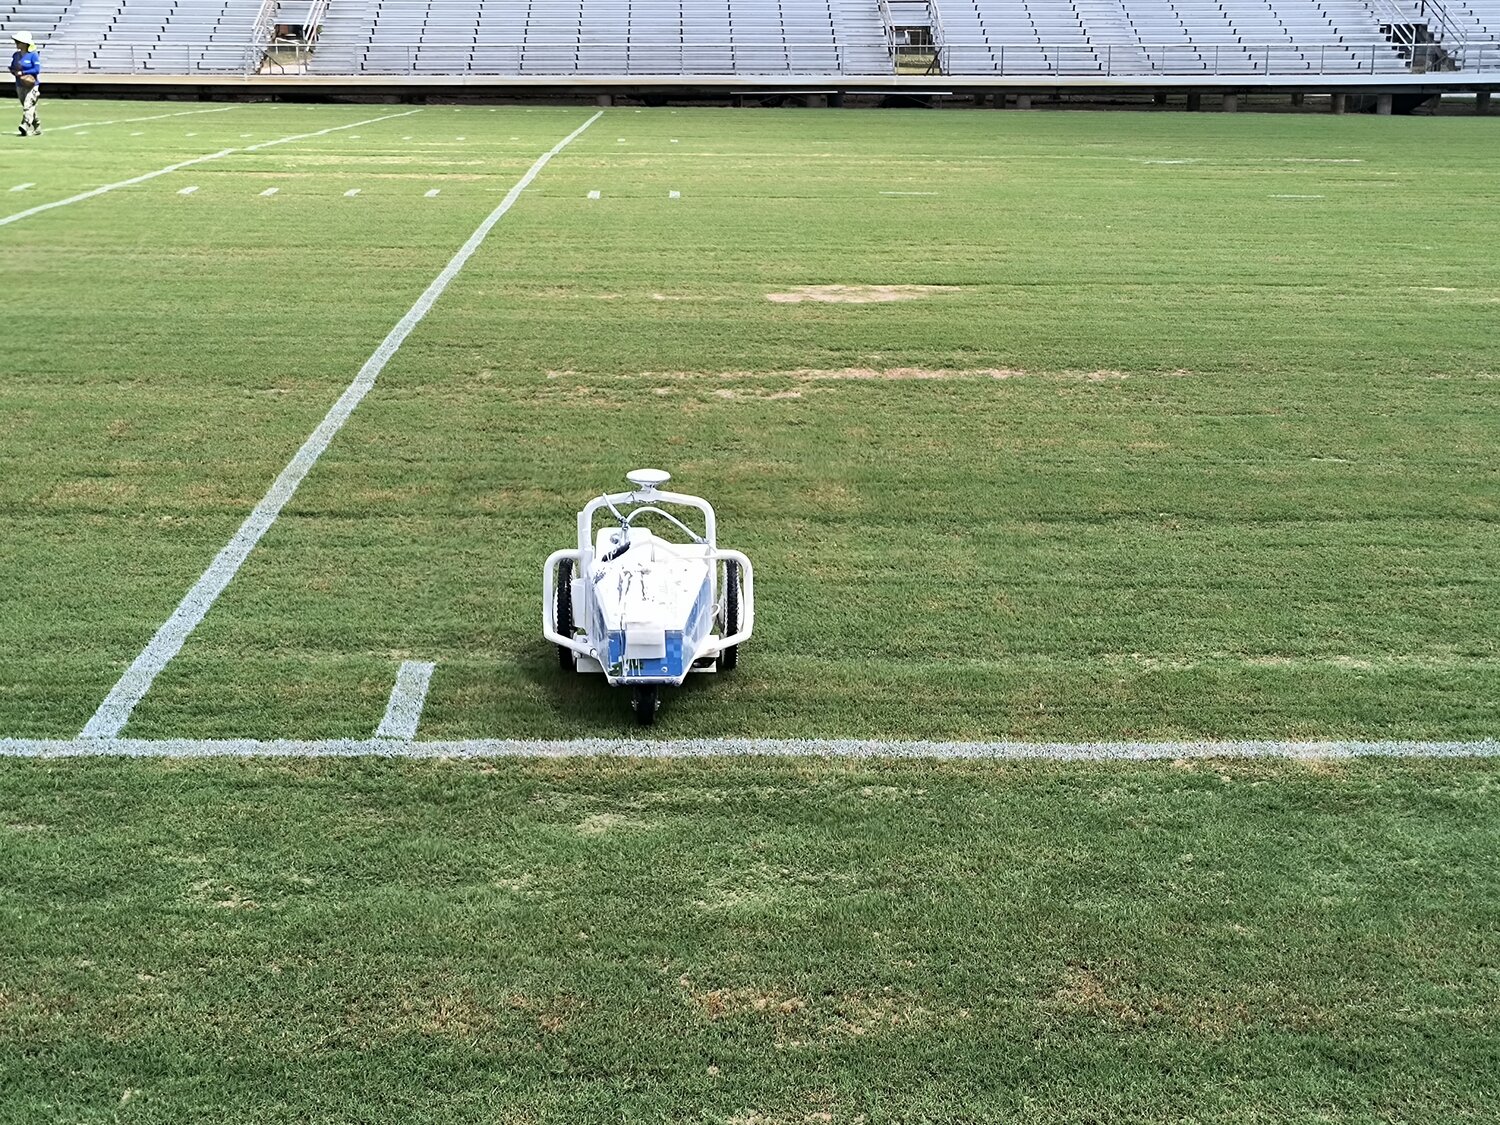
{"points": [[1451, 34]]}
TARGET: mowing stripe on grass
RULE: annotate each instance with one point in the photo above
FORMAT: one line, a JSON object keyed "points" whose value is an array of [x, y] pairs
{"points": [[132, 120], [734, 748], [170, 168], [115, 711], [408, 697]]}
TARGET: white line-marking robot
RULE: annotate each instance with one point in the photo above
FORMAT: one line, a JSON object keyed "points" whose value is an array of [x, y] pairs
{"points": [[644, 609]]}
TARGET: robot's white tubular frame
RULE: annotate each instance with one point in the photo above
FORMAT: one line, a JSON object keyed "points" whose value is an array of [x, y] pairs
{"points": [[583, 559]]}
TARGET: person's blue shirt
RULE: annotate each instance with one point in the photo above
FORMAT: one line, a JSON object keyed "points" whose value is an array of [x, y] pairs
{"points": [[26, 62]]}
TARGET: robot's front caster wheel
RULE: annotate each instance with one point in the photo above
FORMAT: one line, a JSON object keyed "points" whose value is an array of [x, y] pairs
{"points": [[645, 700]]}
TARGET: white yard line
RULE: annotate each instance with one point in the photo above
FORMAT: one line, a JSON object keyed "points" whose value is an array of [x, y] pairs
{"points": [[115, 711], [170, 168], [433, 193], [351, 193], [187, 190], [22, 187], [132, 120], [270, 191], [408, 697], [738, 747]]}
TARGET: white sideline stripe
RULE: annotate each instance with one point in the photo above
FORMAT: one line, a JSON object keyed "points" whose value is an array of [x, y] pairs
{"points": [[170, 168], [22, 187], [408, 697], [188, 190], [737, 747], [132, 120], [115, 711]]}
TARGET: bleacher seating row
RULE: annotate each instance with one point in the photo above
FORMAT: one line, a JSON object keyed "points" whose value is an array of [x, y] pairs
{"points": [[1165, 37], [603, 37], [131, 36], [757, 37]]}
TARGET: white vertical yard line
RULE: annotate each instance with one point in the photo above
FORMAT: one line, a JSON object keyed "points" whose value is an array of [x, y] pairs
{"points": [[170, 168], [408, 697], [115, 711], [22, 187], [132, 120], [270, 191]]}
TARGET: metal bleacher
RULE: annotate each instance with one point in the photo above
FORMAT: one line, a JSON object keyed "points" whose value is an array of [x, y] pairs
{"points": [[1176, 37], [602, 37], [132, 36], [785, 39]]}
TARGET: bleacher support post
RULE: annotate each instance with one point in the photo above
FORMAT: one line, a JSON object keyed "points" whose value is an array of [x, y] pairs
{"points": [[1297, 99], [1383, 104], [1482, 102], [1340, 102], [1195, 102], [1231, 103]]}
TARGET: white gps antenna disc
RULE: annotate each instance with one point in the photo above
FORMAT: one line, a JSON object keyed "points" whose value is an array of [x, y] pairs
{"points": [[647, 478]]}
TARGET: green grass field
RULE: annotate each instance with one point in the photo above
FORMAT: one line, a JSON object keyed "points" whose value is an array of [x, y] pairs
{"points": [[1241, 482], [1182, 427]]}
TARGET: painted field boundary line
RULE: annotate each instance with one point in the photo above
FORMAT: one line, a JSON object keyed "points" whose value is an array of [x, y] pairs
{"points": [[170, 168], [114, 712], [838, 748], [133, 120]]}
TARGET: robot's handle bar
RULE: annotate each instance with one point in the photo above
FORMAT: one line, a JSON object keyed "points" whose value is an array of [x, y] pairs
{"points": [[650, 497], [668, 516]]}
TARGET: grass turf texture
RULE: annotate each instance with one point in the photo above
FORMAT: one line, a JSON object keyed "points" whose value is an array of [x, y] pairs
{"points": [[748, 941], [1242, 485], [1276, 519]]}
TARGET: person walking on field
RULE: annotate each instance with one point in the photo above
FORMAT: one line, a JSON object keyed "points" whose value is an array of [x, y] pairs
{"points": [[26, 66]]}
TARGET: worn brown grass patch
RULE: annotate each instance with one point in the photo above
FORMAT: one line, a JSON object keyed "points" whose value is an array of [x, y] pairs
{"points": [[857, 294]]}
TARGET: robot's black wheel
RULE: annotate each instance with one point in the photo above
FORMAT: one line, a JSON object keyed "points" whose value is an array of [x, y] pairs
{"points": [[563, 613], [645, 699], [729, 659]]}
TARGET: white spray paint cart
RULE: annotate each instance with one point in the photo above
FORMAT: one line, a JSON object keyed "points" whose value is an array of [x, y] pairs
{"points": [[647, 606]]}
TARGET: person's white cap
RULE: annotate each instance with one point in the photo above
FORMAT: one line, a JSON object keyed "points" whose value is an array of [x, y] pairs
{"points": [[23, 37]]}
